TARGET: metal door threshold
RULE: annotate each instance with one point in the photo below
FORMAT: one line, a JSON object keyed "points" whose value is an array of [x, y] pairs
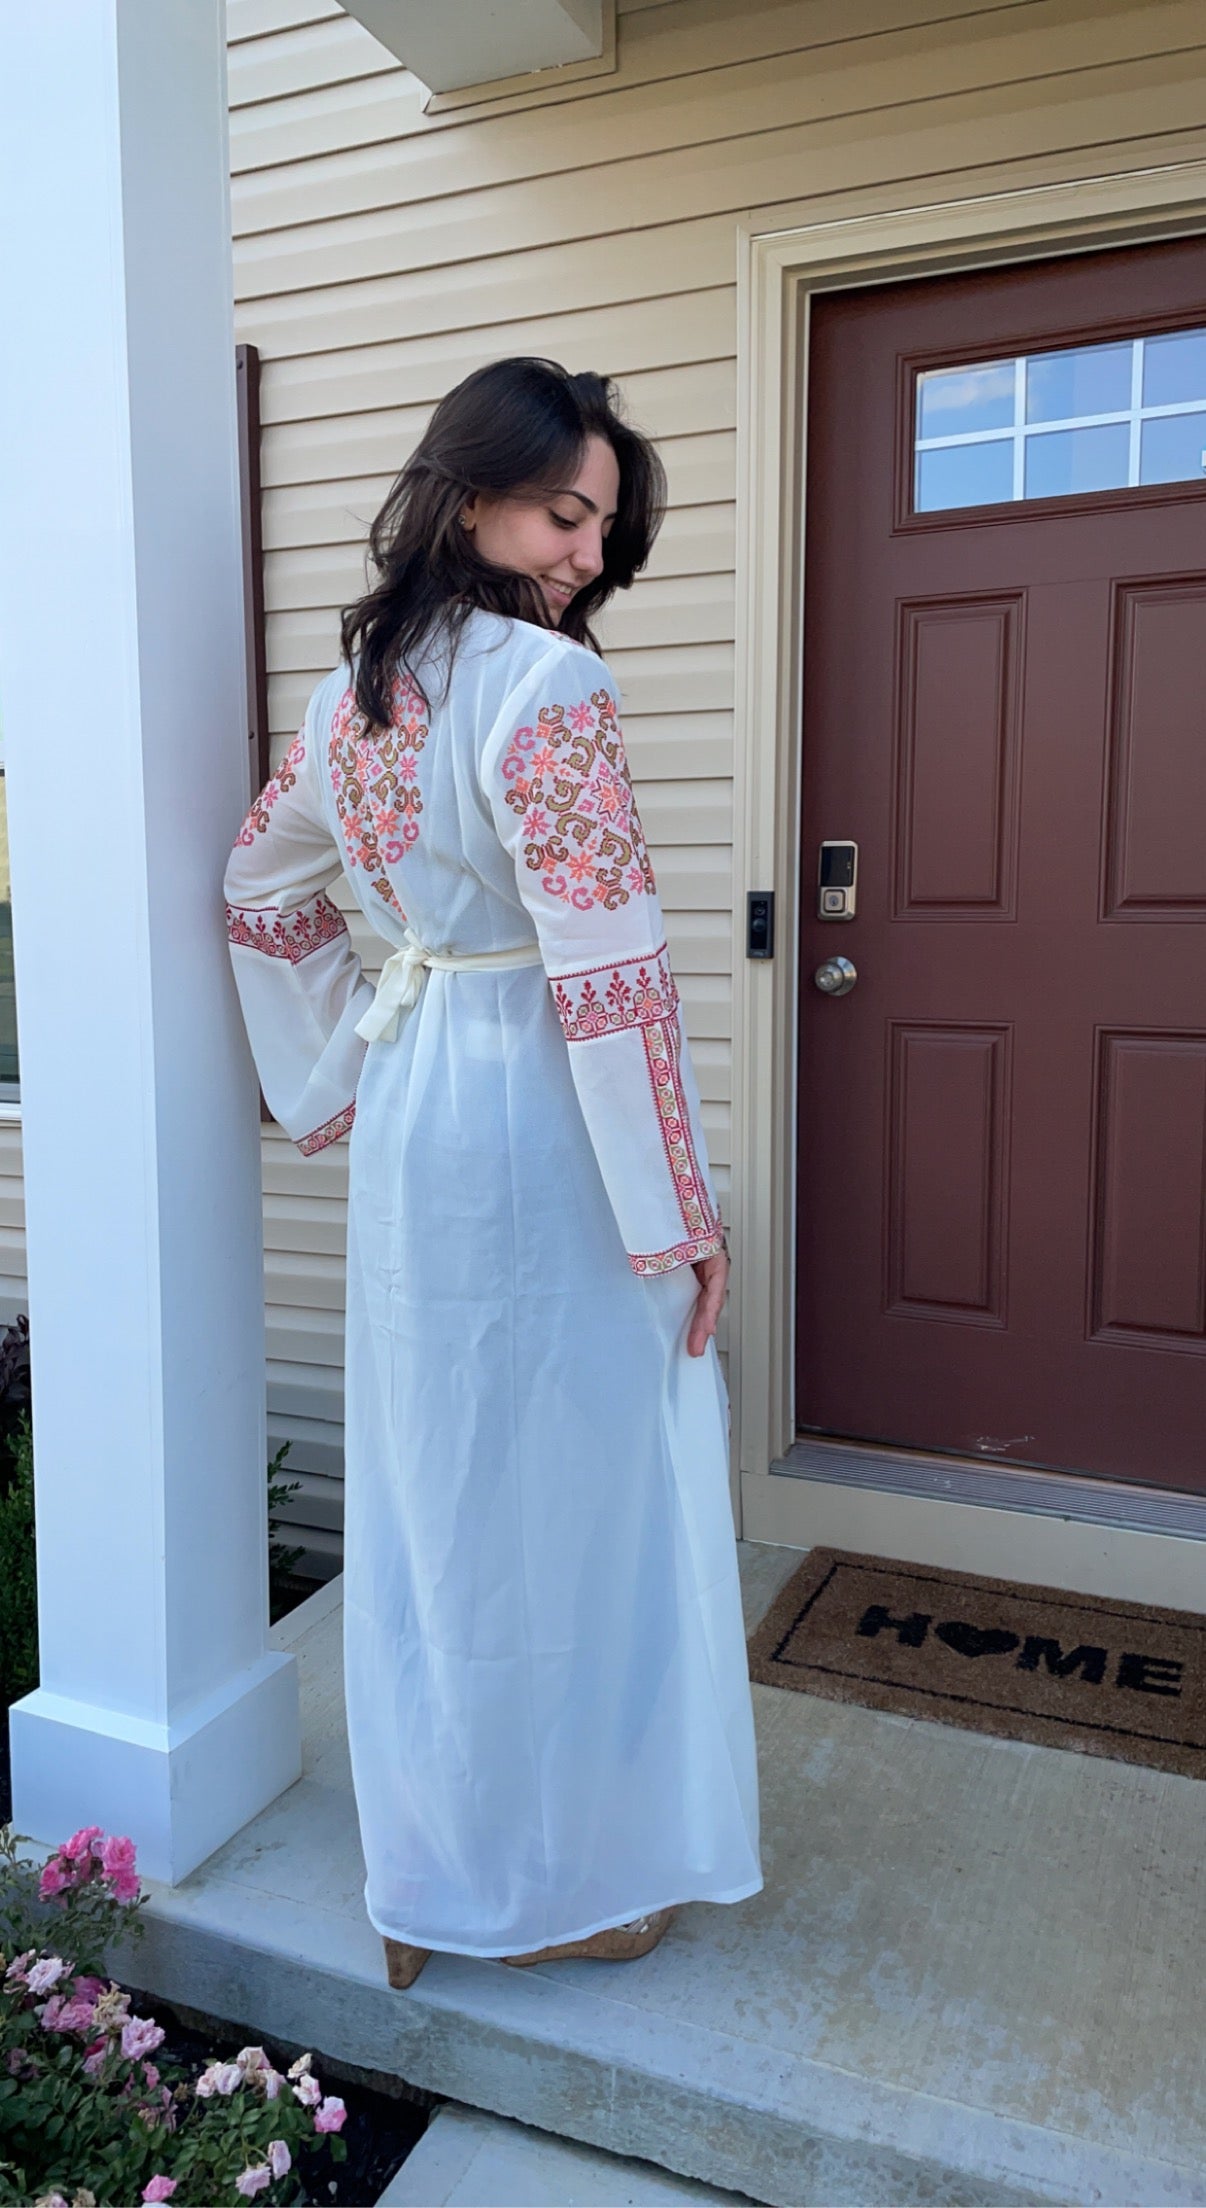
{"points": [[1079, 1497]]}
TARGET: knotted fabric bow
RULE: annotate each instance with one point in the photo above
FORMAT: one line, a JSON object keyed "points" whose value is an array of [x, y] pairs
{"points": [[405, 971]]}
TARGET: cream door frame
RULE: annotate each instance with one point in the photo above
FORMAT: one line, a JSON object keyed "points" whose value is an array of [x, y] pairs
{"points": [[783, 259]]}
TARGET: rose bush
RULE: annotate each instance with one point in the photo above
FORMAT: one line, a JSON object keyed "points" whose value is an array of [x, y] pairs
{"points": [[86, 2115]]}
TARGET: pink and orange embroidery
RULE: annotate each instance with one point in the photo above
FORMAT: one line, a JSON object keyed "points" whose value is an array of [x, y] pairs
{"points": [[662, 1040], [330, 1131], [569, 784], [291, 935], [284, 779], [375, 778], [604, 1000], [683, 1253], [640, 993]]}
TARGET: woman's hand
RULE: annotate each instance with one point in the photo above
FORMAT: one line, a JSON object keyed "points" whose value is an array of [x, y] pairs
{"points": [[712, 1273]]}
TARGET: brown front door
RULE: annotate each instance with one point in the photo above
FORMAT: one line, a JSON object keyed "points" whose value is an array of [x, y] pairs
{"points": [[1002, 1213]]}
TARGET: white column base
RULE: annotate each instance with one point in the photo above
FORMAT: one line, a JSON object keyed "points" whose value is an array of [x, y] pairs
{"points": [[178, 1790]]}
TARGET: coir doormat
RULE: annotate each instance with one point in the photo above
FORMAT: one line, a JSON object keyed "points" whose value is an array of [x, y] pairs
{"points": [[1034, 1663]]}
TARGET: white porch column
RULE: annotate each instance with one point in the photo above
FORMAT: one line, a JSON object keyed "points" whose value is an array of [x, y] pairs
{"points": [[162, 1712]]}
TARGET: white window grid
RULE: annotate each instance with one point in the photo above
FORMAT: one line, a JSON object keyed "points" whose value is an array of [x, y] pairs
{"points": [[1020, 430]]}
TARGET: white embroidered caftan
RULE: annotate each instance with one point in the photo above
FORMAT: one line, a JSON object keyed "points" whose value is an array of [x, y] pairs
{"points": [[547, 1690]]}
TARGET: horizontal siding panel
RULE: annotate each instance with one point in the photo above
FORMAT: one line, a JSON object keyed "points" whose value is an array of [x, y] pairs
{"points": [[634, 337], [287, 1173], [316, 1455], [679, 746], [687, 812], [256, 18], [700, 468], [695, 678], [692, 609], [330, 51], [718, 1131], [705, 35], [1074, 108], [772, 92], [313, 1223], [305, 1337], [304, 1280], [357, 111], [707, 1001], [693, 877], [506, 288], [696, 540], [663, 402], [305, 1391], [713, 1063]]}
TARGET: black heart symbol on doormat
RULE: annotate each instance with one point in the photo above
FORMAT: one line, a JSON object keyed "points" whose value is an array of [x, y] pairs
{"points": [[974, 1640]]}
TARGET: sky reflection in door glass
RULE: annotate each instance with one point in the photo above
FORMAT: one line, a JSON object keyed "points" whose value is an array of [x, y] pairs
{"points": [[1061, 424]]}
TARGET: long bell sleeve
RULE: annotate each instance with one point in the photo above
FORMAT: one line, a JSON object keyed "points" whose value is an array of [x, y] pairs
{"points": [[556, 777], [299, 980]]}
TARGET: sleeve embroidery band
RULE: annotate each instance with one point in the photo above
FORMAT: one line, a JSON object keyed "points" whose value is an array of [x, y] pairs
{"points": [[291, 935], [640, 994], [301, 982]]}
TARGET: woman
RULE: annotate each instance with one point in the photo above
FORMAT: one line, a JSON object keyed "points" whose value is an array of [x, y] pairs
{"points": [[547, 1691]]}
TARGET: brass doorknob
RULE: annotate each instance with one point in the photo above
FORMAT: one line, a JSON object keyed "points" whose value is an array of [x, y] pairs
{"points": [[836, 978]]}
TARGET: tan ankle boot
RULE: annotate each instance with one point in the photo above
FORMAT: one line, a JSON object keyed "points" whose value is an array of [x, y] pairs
{"points": [[621, 1943], [404, 1963]]}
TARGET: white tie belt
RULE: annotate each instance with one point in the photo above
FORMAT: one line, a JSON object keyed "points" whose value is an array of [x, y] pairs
{"points": [[404, 972]]}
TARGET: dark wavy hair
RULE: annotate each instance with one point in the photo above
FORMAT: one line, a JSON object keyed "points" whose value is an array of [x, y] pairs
{"points": [[516, 427]]}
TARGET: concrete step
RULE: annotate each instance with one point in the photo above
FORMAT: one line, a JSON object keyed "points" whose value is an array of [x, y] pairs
{"points": [[973, 1975], [468, 2160]]}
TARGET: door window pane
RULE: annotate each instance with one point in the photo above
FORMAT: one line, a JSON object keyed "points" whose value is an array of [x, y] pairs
{"points": [[965, 475], [1062, 424], [1174, 368], [1064, 387], [1173, 449], [952, 400], [1065, 461]]}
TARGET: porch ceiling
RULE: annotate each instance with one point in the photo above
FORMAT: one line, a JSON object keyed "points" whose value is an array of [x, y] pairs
{"points": [[452, 43]]}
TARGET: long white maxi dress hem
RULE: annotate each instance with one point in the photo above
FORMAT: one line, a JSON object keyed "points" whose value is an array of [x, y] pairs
{"points": [[548, 1701]]}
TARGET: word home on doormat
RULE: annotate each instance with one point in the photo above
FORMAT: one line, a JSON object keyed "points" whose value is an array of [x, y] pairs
{"points": [[1033, 1663]]}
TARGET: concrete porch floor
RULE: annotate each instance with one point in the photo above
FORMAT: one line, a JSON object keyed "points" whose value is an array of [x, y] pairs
{"points": [[974, 1974]]}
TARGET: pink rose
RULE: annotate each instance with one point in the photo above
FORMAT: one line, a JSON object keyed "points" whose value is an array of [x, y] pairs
{"points": [[15, 1974], [117, 1863], [141, 2036], [94, 2059], [150, 2076], [252, 2181], [308, 2091], [160, 2188], [273, 2084], [280, 2161], [299, 2068], [46, 1974], [56, 1878], [79, 1847], [60, 2015], [89, 1989], [332, 2116]]}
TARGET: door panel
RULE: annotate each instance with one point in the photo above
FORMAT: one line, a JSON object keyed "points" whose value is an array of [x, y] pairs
{"points": [[1002, 1247]]}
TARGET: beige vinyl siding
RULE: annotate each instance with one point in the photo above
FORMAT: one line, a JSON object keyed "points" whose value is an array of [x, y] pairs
{"points": [[14, 1294], [381, 254]]}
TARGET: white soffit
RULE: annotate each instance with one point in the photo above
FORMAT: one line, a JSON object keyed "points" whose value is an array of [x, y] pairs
{"points": [[448, 44]]}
